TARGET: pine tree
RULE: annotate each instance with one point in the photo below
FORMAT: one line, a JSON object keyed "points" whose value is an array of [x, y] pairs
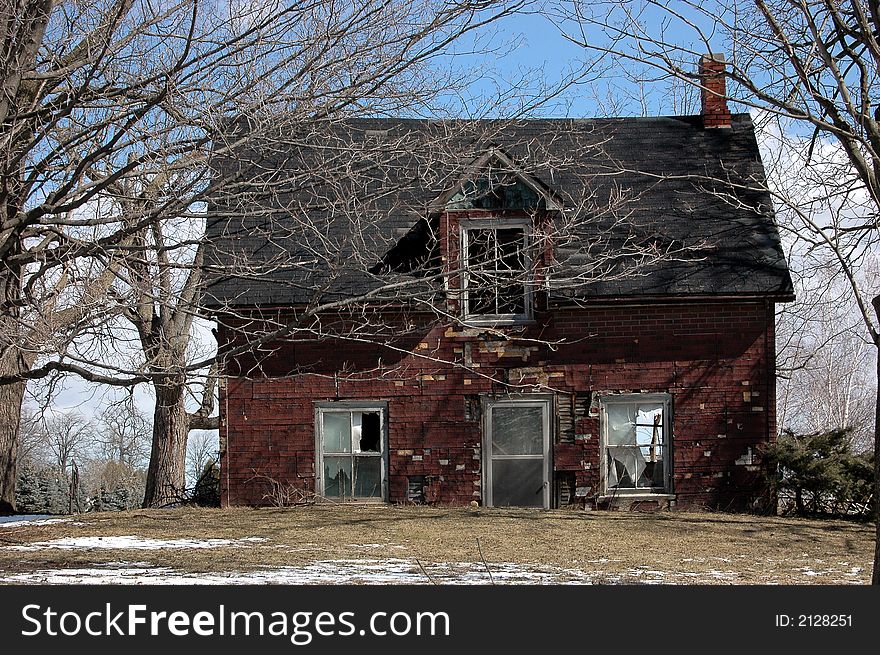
{"points": [[29, 496]]}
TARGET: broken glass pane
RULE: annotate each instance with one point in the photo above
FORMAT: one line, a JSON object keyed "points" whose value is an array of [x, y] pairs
{"points": [[517, 431], [649, 425], [337, 432], [511, 299], [652, 475], [481, 293], [625, 467], [481, 248], [621, 425], [337, 477], [657, 473], [495, 189], [518, 482], [366, 432], [367, 477]]}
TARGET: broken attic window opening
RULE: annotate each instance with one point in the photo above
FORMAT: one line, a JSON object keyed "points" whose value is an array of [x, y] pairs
{"points": [[496, 267], [635, 443], [496, 190], [411, 254], [351, 453]]}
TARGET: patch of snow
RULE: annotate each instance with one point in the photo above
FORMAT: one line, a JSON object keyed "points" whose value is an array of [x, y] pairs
{"points": [[130, 542], [374, 546], [16, 521], [388, 571], [343, 571]]}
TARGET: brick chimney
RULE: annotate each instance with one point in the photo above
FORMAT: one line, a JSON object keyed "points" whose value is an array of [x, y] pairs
{"points": [[713, 95]]}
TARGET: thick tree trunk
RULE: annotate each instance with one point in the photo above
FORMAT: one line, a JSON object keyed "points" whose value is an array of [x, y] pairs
{"points": [[166, 476], [11, 363], [11, 397], [875, 577]]}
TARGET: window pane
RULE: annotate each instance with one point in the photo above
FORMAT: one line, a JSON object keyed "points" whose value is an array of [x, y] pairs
{"points": [[620, 425], [481, 293], [649, 424], [510, 242], [368, 477], [625, 467], [517, 431], [366, 433], [512, 299], [337, 432], [518, 482], [337, 477], [481, 249], [652, 475]]}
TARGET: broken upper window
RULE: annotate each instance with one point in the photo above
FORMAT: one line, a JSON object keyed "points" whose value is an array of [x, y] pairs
{"points": [[635, 443], [350, 453], [496, 270]]}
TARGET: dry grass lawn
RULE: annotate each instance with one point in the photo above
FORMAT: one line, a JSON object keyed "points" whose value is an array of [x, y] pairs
{"points": [[364, 544]]}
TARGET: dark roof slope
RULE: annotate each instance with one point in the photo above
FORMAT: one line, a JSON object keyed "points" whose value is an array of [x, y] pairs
{"points": [[651, 206]]}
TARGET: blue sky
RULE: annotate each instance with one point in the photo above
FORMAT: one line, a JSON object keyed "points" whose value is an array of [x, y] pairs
{"points": [[534, 56]]}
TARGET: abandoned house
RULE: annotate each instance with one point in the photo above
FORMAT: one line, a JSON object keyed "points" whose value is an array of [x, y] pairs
{"points": [[533, 313]]}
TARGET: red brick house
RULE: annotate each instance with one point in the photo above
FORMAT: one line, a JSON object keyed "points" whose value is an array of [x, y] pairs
{"points": [[588, 315]]}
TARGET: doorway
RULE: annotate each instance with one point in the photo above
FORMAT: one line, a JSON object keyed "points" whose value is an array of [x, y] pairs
{"points": [[516, 442]]}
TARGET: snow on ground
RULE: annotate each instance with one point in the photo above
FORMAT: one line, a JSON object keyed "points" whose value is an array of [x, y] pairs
{"points": [[393, 570], [344, 571], [131, 542], [390, 571], [18, 520]]}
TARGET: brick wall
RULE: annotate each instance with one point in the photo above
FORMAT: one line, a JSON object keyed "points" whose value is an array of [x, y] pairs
{"points": [[715, 359]]}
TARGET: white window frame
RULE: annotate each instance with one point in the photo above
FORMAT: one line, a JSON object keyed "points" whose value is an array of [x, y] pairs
{"points": [[546, 403], [468, 225], [349, 407], [637, 399]]}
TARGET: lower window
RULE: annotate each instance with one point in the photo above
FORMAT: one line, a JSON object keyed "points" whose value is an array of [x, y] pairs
{"points": [[635, 443], [351, 452]]}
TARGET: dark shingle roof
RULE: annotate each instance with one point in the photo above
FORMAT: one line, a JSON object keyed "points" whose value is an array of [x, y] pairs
{"points": [[652, 206]]}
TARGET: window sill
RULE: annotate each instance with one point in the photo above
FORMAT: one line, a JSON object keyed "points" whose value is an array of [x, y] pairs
{"points": [[479, 321], [640, 495]]}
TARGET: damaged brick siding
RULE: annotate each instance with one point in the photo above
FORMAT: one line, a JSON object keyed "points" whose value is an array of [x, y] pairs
{"points": [[715, 359]]}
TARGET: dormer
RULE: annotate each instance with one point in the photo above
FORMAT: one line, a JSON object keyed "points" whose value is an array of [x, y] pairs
{"points": [[494, 241]]}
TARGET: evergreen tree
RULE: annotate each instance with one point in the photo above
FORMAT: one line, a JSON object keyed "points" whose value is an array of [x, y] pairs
{"points": [[821, 472], [29, 495]]}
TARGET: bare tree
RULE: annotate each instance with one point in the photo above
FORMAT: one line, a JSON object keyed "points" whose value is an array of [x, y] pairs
{"points": [[825, 366], [124, 433], [110, 110], [810, 69], [67, 435], [32, 442]]}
